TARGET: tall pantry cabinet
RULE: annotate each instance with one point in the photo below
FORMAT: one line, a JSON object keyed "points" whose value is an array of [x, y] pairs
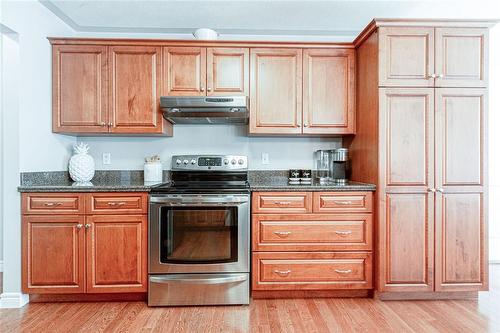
{"points": [[421, 137]]}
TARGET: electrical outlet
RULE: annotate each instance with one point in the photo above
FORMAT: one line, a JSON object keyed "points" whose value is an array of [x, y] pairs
{"points": [[265, 158], [106, 158]]}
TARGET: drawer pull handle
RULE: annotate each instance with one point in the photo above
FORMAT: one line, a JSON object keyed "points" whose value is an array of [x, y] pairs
{"points": [[282, 203], [115, 204], [282, 234], [53, 204], [343, 202], [342, 271], [343, 233], [282, 273]]}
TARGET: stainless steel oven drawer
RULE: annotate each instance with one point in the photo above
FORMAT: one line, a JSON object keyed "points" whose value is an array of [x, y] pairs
{"points": [[199, 289]]}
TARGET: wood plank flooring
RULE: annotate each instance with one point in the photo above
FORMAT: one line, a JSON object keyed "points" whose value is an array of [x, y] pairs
{"points": [[290, 315]]}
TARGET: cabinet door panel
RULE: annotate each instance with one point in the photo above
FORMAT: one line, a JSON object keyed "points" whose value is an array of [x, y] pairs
{"points": [[460, 135], [461, 57], [53, 254], [117, 253], [276, 91], [79, 89], [135, 89], [406, 237], [185, 71], [461, 263], [227, 71], [406, 57], [406, 131], [329, 91]]}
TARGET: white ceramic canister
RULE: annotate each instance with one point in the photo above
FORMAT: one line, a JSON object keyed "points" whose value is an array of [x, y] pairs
{"points": [[153, 172]]}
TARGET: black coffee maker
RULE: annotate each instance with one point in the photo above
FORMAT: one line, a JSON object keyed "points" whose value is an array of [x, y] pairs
{"points": [[341, 166]]}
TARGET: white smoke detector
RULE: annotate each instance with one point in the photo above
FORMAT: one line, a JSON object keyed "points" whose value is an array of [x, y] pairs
{"points": [[205, 34]]}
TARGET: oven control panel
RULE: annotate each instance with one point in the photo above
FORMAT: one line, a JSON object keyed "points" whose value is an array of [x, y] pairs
{"points": [[209, 162]]}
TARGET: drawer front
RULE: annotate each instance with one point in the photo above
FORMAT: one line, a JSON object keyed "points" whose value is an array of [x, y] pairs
{"points": [[312, 232], [338, 202], [117, 203], [281, 202], [52, 203], [311, 271]]}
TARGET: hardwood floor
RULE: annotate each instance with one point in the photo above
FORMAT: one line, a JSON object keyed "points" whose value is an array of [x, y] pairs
{"points": [[293, 315]]}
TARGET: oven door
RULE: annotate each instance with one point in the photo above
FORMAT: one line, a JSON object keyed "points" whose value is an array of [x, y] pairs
{"points": [[199, 233]]}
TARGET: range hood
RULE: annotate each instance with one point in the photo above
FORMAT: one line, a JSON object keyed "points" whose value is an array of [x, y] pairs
{"points": [[205, 110]]}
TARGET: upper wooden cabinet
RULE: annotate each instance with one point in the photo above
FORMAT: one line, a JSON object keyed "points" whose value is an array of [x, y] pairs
{"points": [[135, 75], [433, 57], [275, 91], [107, 89], [199, 71], [79, 88], [406, 56], [461, 56], [329, 91]]}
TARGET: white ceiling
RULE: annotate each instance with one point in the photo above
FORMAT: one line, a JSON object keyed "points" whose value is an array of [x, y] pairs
{"points": [[271, 17]]}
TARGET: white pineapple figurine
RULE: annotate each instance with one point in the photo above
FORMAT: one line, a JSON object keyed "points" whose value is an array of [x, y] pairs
{"points": [[81, 164]]}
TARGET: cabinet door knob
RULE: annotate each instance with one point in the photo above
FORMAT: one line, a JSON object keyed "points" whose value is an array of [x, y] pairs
{"points": [[87, 226], [433, 190], [440, 190], [305, 125], [209, 89], [202, 89], [103, 124], [433, 76], [79, 226], [440, 76]]}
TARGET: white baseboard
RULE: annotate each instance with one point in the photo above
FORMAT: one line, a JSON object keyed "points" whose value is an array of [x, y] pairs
{"points": [[13, 300], [1, 266]]}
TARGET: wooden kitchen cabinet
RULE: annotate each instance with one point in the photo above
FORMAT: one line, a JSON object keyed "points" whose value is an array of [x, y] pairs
{"points": [[461, 57], [116, 253], [295, 247], [329, 91], [135, 89], [461, 250], [275, 91], [100, 89], [406, 56], [406, 227], [79, 89], [53, 254], [200, 71], [83, 248], [227, 71]]}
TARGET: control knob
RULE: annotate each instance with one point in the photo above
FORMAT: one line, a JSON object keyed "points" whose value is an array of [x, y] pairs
{"points": [[240, 161], [186, 162], [226, 161], [233, 161], [178, 162], [193, 161]]}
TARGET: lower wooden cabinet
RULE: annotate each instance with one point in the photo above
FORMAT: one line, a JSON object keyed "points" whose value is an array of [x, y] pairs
{"points": [[116, 253], [311, 270], [77, 253], [53, 254], [318, 241]]}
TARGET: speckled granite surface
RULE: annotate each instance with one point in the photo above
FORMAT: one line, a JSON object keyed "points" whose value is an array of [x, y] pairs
{"points": [[277, 180], [103, 181], [130, 181]]}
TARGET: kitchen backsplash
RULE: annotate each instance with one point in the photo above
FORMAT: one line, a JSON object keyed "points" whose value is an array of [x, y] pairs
{"points": [[127, 153]]}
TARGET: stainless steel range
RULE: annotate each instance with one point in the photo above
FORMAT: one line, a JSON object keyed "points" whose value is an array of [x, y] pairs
{"points": [[199, 233]]}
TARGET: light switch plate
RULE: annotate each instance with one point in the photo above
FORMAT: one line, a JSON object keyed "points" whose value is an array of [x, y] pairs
{"points": [[106, 158], [265, 158]]}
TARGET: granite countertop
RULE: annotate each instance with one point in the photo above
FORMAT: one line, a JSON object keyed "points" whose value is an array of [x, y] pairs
{"points": [[103, 181], [133, 181]]}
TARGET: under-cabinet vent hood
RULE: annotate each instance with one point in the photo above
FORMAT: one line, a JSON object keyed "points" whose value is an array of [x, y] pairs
{"points": [[205, 110]]}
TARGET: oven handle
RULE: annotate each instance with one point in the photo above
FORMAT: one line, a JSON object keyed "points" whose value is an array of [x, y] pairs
{"points": [[195, 279], [201, 204], [199, 201]]}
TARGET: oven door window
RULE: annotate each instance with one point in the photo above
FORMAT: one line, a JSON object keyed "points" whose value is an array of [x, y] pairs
{"points": [[198, 235]]}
